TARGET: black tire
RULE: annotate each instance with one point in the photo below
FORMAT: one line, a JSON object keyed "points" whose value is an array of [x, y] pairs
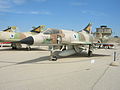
{"points": [[53, 58], [90, 53], [14, 48], [28, 48], [13, 45]]}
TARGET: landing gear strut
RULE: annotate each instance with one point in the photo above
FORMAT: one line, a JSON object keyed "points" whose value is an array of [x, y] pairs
{"points": [[52, 57], [90, 51], [16, 46]]}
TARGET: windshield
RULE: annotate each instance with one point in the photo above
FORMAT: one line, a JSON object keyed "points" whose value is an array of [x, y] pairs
{"points": [[51, 31]]}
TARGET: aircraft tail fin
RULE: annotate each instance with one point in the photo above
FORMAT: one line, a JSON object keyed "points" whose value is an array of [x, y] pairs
{"points": [[38, 29], [88, 28], [10, 29]]}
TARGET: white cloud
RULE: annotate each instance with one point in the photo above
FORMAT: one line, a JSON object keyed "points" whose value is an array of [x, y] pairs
{"points": [[5, 10], [18, 1], [93, 13], [78, 4], [40, 12], [34, 12], [7, 5], [45, 13], [4, 4], [40, 0]]}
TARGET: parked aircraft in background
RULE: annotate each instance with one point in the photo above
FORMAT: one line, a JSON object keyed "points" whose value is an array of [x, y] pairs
{"points": [[10, 29], [9, 36]]}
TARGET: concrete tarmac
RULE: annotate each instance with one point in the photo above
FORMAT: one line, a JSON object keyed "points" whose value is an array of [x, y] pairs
{"points": [[32, 70]]}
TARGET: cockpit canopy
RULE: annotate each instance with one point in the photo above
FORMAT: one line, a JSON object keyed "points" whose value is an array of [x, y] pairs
{"points": [[51, 31]]}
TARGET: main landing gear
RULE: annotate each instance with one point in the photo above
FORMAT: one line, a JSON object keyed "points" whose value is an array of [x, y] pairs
{"points": [[28, 48], [52, 56], [16, 46], [90, 51]]}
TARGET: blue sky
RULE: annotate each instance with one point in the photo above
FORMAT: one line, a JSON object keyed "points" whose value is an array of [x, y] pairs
{"points": [[61, 14]]}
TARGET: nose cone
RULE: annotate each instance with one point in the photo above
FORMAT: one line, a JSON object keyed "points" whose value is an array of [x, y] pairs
{"points": [[28, 40]]}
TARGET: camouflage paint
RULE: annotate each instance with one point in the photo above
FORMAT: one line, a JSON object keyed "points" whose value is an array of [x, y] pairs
{"points": [[82, 37], [19, 36], [10, 35], [47, 41]]}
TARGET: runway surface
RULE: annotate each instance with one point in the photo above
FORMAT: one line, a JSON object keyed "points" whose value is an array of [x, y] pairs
{"points": [[32, 70]]}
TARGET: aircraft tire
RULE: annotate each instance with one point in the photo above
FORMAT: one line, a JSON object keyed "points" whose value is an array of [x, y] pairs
{"points": [[90, 53], [14, 48], [28, 48], [53, 58]]}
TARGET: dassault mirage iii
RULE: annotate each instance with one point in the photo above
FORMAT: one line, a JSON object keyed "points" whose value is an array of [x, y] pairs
{"points": [[10, 36], [69, 42], [10, 29]]}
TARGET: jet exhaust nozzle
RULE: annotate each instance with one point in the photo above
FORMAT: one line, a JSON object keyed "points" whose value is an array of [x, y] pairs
{"points": [[28, 40]]}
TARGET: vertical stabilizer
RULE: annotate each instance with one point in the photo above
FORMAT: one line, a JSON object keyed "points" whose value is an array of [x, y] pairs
{"points": [[10, 29], [88, 28], [38, 29]]}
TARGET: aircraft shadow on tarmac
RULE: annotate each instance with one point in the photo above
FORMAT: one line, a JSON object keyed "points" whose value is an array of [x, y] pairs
{"points": [[23, 49], [24, 62], [46, 58], [86, 55]]}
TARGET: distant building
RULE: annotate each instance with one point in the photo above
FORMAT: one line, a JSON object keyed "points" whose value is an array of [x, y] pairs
{"points": [[103, 31]]}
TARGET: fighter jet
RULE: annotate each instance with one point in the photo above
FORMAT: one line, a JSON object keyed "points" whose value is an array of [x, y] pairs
{"points": [[9, 36], [69, 42], [10, 29]]}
